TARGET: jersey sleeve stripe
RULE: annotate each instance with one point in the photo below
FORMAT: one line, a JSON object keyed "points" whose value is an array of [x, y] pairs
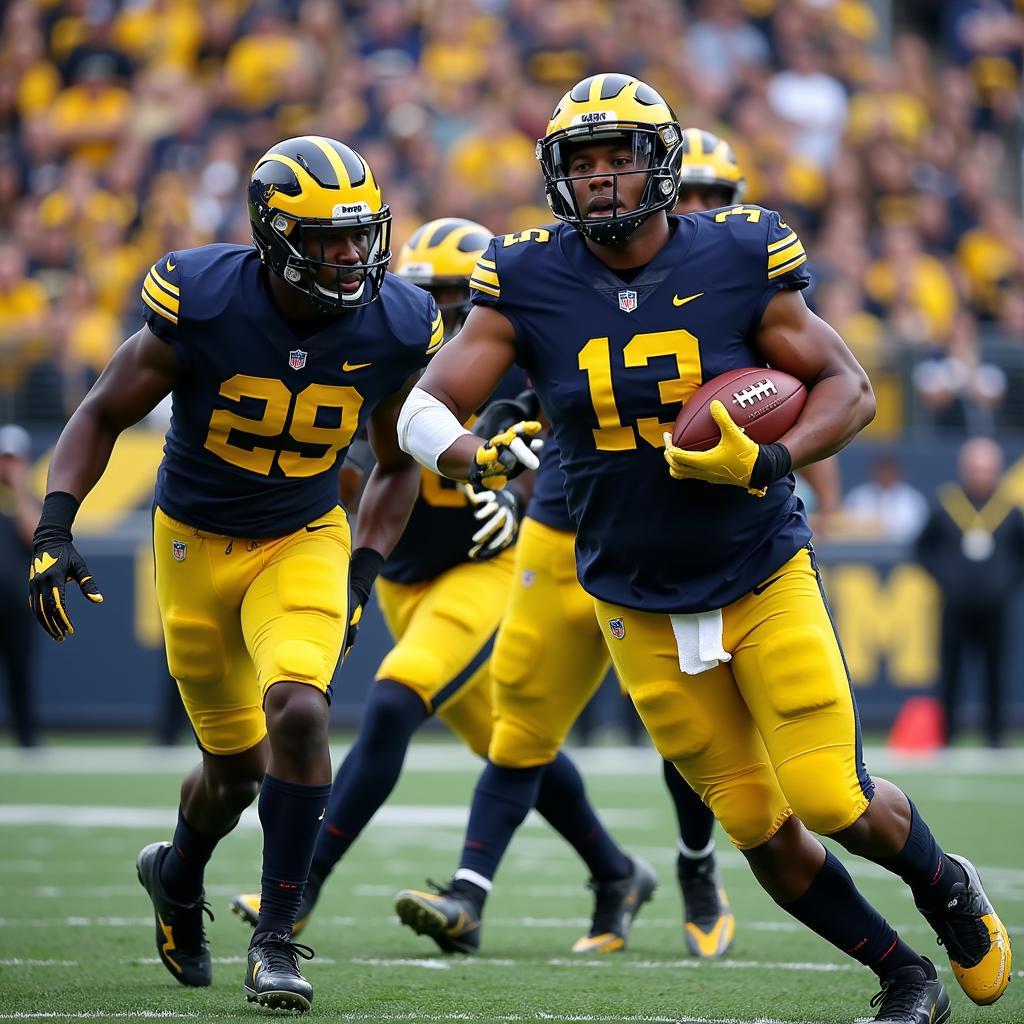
{"points": [[486, 263], [166, 285], [785, 255], [167, 301], [159, 309], [436, 338], [485, 288], [487, 276], [787, 267], [783, 242]]}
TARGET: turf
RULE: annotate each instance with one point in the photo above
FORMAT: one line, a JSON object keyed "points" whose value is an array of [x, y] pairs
{"points": [[76, 935]]}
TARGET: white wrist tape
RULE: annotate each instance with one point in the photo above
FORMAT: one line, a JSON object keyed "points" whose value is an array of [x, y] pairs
{"points": [[427, 428]]}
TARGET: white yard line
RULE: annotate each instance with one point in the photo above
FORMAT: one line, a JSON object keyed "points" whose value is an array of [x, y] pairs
{"points": [[101, 1015], [390, 816]]}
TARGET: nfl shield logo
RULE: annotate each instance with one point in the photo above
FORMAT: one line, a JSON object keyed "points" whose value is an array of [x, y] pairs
{"points": [[617, 628], [297, 358], [627, 301], [179, 549]]}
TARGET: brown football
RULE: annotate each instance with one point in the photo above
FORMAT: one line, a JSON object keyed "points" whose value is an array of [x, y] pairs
{"points": [[764, 402]]}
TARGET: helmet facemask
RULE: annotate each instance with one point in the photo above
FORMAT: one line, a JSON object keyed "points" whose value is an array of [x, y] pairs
{"points": [[656, 153]]}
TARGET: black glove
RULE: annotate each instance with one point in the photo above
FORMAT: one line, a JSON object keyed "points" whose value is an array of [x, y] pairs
{"points": [[503, 413], [500, 513], [505, 456], [366, 564], [54, 562]]}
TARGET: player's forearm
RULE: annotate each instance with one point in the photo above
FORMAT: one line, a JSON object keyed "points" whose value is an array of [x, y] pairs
{"points": [[385, 507], [82, 452], [838, 408], [456, 461]]}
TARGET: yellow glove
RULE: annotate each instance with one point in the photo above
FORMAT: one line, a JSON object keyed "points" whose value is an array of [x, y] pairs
{"points": [[731, 461], [506, 455]]}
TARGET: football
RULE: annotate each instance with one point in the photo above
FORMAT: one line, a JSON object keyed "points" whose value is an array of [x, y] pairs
{"points": [[764, 402]]}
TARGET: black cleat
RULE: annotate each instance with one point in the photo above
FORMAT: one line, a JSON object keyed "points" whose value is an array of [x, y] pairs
{"points": [[450, 919], [709, 923], [912, 995], [616, 904], [180, 938], [246, 905], [976, 942], [272, 975]]}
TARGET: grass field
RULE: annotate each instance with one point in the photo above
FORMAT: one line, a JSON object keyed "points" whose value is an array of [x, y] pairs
{"points": [[76, 933]]}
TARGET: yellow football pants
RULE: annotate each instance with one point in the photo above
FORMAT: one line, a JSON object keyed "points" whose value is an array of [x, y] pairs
{"points": [[240, 615], [549, 657], [444, 631], [772, 732]]}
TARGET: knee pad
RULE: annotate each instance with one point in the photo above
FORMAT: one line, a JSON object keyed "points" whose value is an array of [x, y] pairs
{"points": [[301, 660], [195, 649], [801, 670], [308, 583], [749, 806], [516, 744], [417, 668], [678, 726], [820, 790]]}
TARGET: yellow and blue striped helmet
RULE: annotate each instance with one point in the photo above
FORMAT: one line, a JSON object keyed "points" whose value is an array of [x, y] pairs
{"points": [[301, 188]]}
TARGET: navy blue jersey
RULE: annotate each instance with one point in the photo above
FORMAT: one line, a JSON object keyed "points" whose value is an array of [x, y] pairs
{"points": [[439, 533], [612, 364], [262, 413], [548, 504]]}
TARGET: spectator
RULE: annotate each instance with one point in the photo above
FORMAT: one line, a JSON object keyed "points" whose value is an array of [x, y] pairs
{"points": [[973, 545], [886, 504], [19, 514]]}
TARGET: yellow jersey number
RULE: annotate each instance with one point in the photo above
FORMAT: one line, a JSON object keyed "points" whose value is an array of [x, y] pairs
{"points": [[280, 413], [611, 435]]}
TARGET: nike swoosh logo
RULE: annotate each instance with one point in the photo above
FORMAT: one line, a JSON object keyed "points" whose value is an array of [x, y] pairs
{"points": [[322, 813], [676, 301], [347, 367], [170, 265], [764, 586], [322, 526]]}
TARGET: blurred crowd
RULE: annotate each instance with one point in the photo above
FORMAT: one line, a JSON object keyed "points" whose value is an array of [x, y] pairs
{"points": [[128, 128]]}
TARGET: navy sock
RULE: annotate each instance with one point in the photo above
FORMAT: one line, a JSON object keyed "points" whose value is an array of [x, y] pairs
{"points": [[291, 815], [696, 822], [369, 772], [923, 866], [502, 799], [834, 909], [181, 872], [562, 801]]}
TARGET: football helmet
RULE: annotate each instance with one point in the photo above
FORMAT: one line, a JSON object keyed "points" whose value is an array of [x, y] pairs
{"points": [[440, 257], [709, 162], [299, 190], [604, 108]]}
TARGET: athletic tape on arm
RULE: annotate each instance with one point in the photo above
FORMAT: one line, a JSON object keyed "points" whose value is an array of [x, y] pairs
{"points": [[427, 428]]}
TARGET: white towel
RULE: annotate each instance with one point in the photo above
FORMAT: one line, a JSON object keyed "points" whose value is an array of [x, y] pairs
{"points": [[699, 641]]}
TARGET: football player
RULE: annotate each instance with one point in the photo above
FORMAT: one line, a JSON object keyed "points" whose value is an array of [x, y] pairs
{"points": [[443, 592], [275, 355], [703, 576]]}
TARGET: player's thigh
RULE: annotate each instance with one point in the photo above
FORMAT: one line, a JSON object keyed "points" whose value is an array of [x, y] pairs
{"points": [[447, 636], [548, 658], [199, 585], [295, 612], [790, 669], [470, 715], [700, 723]]}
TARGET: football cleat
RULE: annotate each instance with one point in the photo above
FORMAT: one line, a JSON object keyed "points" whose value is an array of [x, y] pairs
{"points": [[974, 938], [180, 938], [246, 905], [709, 925], [616, 905], [448, 918], [912, 995], [272, 975]]}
